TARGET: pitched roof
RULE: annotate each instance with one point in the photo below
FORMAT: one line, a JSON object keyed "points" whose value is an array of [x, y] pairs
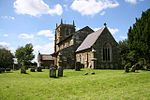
{"points": [[90, 40], [45, 57], [84, 28]]}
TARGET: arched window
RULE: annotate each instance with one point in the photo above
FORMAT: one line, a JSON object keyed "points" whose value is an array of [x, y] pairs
{"points": [[107, 51]]}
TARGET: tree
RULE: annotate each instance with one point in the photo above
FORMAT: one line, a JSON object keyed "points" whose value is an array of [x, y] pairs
{"points": [[6, 58], [124, 50], [24, 56], [139, 38]]}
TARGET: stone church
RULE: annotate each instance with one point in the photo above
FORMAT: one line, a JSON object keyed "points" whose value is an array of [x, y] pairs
{"points": [[97, 50]]}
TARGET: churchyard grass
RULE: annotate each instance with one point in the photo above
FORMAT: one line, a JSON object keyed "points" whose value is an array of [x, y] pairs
{"points": [[103, 85]]}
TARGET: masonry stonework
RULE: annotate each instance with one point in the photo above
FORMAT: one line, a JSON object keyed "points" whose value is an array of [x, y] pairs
{"points": [[97, 50]]}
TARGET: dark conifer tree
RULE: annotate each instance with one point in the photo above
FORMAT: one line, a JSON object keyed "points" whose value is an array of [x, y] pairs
{"points": [[139, 37]]}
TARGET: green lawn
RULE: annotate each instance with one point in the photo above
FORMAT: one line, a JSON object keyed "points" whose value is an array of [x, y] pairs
{"points": [[104, 85]]}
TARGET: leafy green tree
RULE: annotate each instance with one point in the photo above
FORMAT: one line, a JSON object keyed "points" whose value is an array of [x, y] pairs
{"points": [[6, 58], [124, 50], [139, 38], [24, 56]]}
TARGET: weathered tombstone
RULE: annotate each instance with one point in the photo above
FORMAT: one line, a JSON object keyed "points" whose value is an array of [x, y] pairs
{"points": [[126, 68], [60, 72], [78, 65], [135, 67], [52, 72]]}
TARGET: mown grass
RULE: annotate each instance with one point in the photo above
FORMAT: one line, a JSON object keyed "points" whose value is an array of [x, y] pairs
{"points": [[104, 85]]}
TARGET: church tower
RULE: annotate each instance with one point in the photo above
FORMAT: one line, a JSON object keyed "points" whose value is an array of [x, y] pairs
{"points": [[62, 32]]}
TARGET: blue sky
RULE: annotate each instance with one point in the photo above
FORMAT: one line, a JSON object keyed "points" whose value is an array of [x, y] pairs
{"points": [[34, 21]]}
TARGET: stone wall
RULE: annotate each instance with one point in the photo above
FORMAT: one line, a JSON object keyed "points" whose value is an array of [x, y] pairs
{"points": [[106, 37], [67, 47], [84, 58], [93, 57]]}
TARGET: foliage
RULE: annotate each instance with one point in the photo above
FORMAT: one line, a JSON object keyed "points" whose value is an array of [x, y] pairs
{"points": [[23, 69], [139, 37], [32, 70], [24, 56], [104, 85], [124, 50], [39, 69], [6, 58]]}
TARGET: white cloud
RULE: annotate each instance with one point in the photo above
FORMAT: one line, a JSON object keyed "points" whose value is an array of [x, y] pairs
{"points": [[102, 13], [95, 29], [46, 33], [5, 35], [43, 49], [36, 8], [5, 44], [123, 37], [66, 7], [92, 7], [8, 17], [56, 10], [46, 48], [133, 1], [113, 30], [26, 36]]}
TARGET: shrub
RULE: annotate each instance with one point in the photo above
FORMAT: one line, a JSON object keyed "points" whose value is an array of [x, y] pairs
{"points": [[32, 70], [39, 69], [2, 69]]}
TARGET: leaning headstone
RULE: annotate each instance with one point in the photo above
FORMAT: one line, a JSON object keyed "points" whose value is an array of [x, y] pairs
{"points": [[53, 72], [60, 72], [135, 67], [126, 68]]}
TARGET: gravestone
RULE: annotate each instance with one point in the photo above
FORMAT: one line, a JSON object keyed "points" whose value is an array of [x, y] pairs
{"points": [[60, 72], [78, 66], [53, 71], [126, 68]]}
